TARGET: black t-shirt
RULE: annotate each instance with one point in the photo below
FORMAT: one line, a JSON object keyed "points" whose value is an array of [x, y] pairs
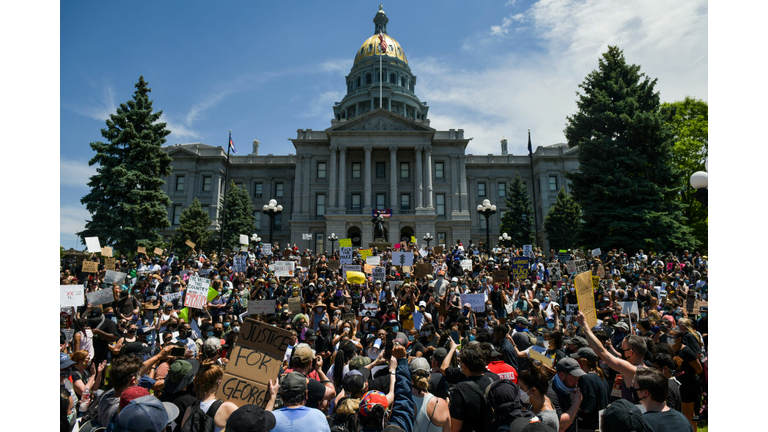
{"points": [[467, 403], [315, 393], [415, 347], [673, 395], [100, 346], [667, 421], [595, 398], [84, 376], [126, 305], [438, 386]]}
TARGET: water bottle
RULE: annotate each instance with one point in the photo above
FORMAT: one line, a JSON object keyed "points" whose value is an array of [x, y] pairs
{"points": [[86, 399]]}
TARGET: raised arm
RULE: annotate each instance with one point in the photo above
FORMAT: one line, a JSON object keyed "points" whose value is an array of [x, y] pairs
{"points": [[619, 365]]}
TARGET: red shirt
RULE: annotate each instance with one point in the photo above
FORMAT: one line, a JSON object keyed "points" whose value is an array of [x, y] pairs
{"points": [[503, 370]]}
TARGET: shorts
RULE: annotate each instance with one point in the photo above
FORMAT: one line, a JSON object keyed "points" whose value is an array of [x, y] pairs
{"points": [[690, 391]]}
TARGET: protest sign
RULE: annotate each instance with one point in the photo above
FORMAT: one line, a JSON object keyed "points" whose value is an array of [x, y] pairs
{"points": [[190, 244], [294, 305], [500, 276], [402, 259], [93, 244], [240, 263], [394, 284], [287, 253], [586, 297], [345, 255], [596, 252], [355, 277], [100, 297], [367, 269], [422, 270], [466, 264], [577, 267], [266, 250], [519, 267], [595, 282], [528, 251], [71, 296], [305, 262], [257, 307], [204, 272], [348, 317], [68, 333], [368, 309], [112, 276], [334, 264], [106, 251], [284, 268], [172, 297], [628, 307], [346, 242], [365, 253], [141, 249], [373, 260], [476, 301], [423, 253], [379, 273], [90, 266], [158, 251], [243, 239], [540, 357], [197, 292], [349, 267], [109, 263], [555, 274], [579, 255], [243, 248], [570, 312], [413, 239], [306, 236], [563, 257], [396, 246], [438, 250]]}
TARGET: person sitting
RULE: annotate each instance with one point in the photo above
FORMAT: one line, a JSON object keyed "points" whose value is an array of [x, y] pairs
{"points": [[295, 415]]}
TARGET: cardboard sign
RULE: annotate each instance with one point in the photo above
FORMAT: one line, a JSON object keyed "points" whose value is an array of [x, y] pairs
{"points": [[595, 282], [379, 273], [305, 262], [555, 274], [500, 276], [100, 297], [347, 242], [629, 307], [141, 249], [334, 264], [368, 309], [190, 244], [243, 239], [365, 253], [422, 270], [285, 268], [240, 264], [367, 269], [402, 259], [71, 295], [253, 363], [158, 251], [345, 255], [586, 297], [466, 264], [263, 337], [106, 251], [438, 250], [348, 317], [579, 254], [109, 263], [519, 266], [261, 307], [540, 357], [241, 391], [600, 272], [294, 305], [266, 250], [287, 253], [373, 260], [528, 251], [90, 266], [596, 252], [93, 244], [197, 292], [476, 301], [112, 276]]}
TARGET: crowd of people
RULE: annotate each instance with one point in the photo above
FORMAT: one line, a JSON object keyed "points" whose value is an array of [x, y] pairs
{"points": [[398, 353]]}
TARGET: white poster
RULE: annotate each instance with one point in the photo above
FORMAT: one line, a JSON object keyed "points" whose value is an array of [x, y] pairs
{"points": [[349, 267], [423, 253], [204, 271], [466, 264], [285, 268], [379, 273], [257, 307], [72, 295], [112, 276], [628, 307], [266, 249], [528, 251], [402, 259], [368, 309], [596, 252], [93, 244], [345, 255], [100, 297], [171, 297], [243, 239], [240, 263], [373, 260], [197, 292], [306, 236], [476, 301]]}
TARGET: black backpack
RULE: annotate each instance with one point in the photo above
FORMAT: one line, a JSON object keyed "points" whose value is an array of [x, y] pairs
{"points": [[486, 411], [199, 420]]}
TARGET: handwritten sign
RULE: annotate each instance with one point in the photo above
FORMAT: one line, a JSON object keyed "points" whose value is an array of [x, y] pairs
{"points": [[346, 242], [333, 264], [259, 307], [577, 267], [519, 267], [476, 301], [305, 262], [71, 296], [266, 250], [528, 251], [240, 264], [158, 251], [109, 263], [285, 268], [106, 251], [141, 249], [586, 297], [596, 252], [100, 297], [197, 292], [93, 244], [540, 357], [379, 273], [365, 253], [294, 305], [438, 250], [373, 260], [90, 266], [402, 259], [563, 257], [422, 270], [555, 275], [570, 312], [368, 309], [500, 276], [172, 297], [345, 255], [190, 244], [466, 264], [112, 276]]}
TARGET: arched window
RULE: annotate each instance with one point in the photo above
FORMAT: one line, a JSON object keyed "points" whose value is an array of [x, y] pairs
{"points": [[368, 78], [358, 81], [393, 78], [402, 81], [370, 47]]}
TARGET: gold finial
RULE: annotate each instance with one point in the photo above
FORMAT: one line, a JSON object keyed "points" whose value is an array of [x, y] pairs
{"points": [[381, 7]]}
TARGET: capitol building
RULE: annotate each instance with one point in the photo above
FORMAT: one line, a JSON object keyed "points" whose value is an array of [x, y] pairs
{"points": [[379, 153]]}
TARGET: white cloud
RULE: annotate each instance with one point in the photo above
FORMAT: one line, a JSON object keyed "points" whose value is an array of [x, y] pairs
{"points": [[75, 173], [319, 105], [503, 29], [102, 109], [505, 94], [336, 66], [71, 220]]}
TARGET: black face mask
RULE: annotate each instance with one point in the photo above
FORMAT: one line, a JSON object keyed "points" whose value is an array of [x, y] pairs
{"points": [[217, 333]]}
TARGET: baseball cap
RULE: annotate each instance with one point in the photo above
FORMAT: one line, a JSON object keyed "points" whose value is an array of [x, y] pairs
{"points": [[180, 374], [353, 382], [65, 361], [621, 326], [570, 366], [585, 353], [454, 279], [622, 415], [370, 400], [525, 424], [419, 363], [422, 304], [293, 382], [522, 321], [303, 352], [132, 393], [310, 335], [250, 418], [440, 354], [211, 346], [146, 413]]}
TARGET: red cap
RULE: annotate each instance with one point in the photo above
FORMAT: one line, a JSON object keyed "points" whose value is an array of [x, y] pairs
{"points": [[132, 393], [371, 399]]}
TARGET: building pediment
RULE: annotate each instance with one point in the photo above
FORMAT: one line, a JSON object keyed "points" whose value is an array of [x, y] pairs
{"points": [[380, 120]]}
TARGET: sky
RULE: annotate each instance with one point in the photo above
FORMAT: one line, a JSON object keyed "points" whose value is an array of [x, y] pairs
{"points": [[266, 69]]}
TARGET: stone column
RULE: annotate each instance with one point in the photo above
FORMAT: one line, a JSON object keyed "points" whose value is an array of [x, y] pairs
{"points": [[393, 204], [428, 163], [463, 182], [306, 180], [299, 161], [455, 184], [419, 179], [332, 179], [367, 182], [343, 179]]}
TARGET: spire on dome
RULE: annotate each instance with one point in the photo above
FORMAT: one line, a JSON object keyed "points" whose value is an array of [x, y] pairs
{"points": [[381, 21]]}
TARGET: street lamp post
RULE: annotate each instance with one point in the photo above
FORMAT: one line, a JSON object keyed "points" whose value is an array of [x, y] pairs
{"points": [[700, 181], [428, 238], [272, 209], [256, 240], [333, 240], [504, 238], [487, 209]]}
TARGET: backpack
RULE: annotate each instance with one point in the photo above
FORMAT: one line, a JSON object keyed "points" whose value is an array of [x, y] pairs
{"points": [[199, 420], [487, 411]]}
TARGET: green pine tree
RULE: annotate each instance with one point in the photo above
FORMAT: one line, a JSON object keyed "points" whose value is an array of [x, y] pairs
{"points": [[563, 222], [239, 217], [127, 202], [517, 220], [193, 226], [627, 186]]}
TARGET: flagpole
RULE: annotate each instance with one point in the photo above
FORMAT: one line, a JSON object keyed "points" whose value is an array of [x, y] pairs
{"points": [[381, 100], [533, 180], [224, 204]]}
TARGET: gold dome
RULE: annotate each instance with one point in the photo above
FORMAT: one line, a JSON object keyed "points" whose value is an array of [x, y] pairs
{"points": [[371, 47]]}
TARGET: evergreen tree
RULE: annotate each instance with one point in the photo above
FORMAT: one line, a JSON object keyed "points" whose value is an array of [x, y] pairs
{"points": [[239, 217], [517, 220], [563, 222], [127, 202], [689, 121], [193, 226], [627, 186]]}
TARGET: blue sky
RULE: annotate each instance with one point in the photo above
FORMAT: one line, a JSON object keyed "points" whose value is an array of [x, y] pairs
{"points": [[265, 69]]}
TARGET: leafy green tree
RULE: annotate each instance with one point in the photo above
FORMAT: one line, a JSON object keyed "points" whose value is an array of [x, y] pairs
{"points": [[239, 217], [563, 222], [193, 226], [126, 201], [627, 185], [517, 220], [689, 121]]}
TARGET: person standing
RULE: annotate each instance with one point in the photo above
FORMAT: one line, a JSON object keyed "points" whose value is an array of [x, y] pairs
{"points": [[295, 416], [593, 387], [565, 394], [651, 387]]}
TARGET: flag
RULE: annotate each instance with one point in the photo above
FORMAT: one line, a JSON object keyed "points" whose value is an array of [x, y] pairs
{"points": [[232, 145], [382, 43], [529, 142]]}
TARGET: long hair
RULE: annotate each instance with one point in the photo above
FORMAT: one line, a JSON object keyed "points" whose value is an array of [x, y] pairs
{"points": [[688, 324], [343, 355]]}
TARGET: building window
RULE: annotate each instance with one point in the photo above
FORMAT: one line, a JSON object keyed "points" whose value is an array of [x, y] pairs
{"points": [[402, 82], [358, 82], [441, 238], [278, 221], [176, 214], [405, 170], [481, 189], [553, 183], [393, 78], [440, 201], [258, 189], [278, 190], [356, 170], [405, 201], [206, 183], [356, 201], [439, 170], [319, 243], [381, 169], [381, 201], [321, 171], [502, 190], [320, 205], [367, 78], [180, 183], [257, 220]]}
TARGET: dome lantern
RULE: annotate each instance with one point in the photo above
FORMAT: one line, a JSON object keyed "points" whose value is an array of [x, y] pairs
{"points": [[381, 21]]}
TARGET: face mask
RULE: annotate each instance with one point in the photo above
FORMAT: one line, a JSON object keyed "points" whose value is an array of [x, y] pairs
{"points": [[209, 334], [319, 310], [471, 337], [236, 329], [637, 398], [346, 329], [217, 333], [524, 398], [395, 329], [546, 299], [703, 314], [410, 338], [573, 289], [550, 325]]}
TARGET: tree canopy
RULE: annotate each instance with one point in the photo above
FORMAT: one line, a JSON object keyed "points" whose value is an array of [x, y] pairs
{"points": [[193, 226], [517, 220], [563, 222], [239, 218]]}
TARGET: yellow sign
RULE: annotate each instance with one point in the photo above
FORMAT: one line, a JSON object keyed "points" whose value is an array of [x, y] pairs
{"points": [[595, 282], [355, 277], [585, 296], [413, 239], [190, 244], [347, 242], [365, 253], [540, 357], [141, 249]]}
